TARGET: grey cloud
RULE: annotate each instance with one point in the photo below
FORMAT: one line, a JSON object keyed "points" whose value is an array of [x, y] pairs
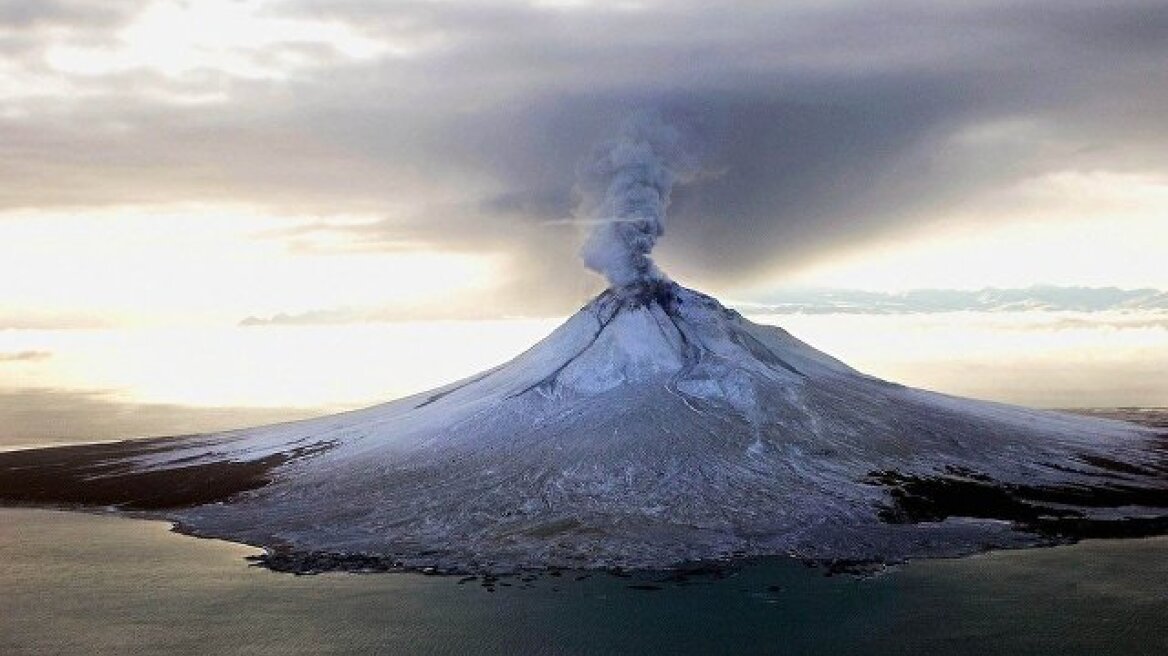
{"points": [[1133, 323], [50, 321], [25, 356], [27, 27], [387, 314], [68, 14], [820, 126], [820, 154]]}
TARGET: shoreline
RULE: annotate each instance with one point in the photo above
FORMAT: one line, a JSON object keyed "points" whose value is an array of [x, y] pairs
{"points": [[97, 478], [281, 559], [646, 579]]}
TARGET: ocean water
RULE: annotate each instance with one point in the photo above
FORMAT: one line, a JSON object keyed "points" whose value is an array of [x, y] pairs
{"points": [[74, 583]]}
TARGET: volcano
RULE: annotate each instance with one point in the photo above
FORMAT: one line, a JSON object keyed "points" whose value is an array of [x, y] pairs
{"points": [[654, 427]]}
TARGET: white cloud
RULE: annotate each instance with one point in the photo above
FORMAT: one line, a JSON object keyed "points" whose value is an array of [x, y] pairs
{"points": [[146, 265], [233, 38]]}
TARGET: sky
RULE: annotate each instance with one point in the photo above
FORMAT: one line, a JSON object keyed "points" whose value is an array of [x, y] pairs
{"points": [[229, 164]]}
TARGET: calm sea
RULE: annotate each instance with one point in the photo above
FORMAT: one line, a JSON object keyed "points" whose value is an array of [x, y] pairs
{"points": [[83, 584]]}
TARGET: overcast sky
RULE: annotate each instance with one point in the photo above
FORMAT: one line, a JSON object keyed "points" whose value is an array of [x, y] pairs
{"points": [[219, 157], [272, 189]]}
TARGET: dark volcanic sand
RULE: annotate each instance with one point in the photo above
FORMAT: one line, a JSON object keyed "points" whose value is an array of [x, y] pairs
{"points": [[1041, 509], [98, 475]]}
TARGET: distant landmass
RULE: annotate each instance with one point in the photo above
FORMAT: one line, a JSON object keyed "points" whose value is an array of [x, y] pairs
{"points": [[1046, 298]]}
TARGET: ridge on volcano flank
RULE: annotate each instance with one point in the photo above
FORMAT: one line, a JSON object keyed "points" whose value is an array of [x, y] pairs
{"points": [[655, 426]]}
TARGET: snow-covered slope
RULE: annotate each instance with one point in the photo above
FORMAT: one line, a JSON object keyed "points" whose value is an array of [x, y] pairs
{"points": [[656, 426]]}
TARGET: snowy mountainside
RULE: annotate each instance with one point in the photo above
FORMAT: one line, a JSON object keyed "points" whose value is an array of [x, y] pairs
{"points": [[656, 426]]}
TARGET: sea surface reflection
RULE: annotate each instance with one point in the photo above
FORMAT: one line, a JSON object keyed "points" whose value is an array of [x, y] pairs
{"points": [[81, 583]]}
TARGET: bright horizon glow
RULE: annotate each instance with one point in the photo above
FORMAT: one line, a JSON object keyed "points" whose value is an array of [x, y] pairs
{"points": [[229, 36], [327, 367], [1033, 358], [1095, 229], [143, 266]]}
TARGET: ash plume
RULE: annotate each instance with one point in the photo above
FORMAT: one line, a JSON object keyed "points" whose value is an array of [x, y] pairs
{"points": [[624, 190]]}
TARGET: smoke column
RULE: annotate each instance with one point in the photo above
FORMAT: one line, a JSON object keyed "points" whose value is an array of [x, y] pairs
{"points": [[624, 191]]}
